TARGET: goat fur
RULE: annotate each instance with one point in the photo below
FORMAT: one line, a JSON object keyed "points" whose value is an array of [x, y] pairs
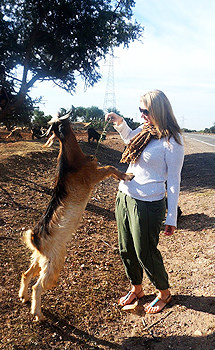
{"points": [[77, 174]]}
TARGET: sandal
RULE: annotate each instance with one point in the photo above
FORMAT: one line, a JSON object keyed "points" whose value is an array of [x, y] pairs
{"points": [[131, 295], [155, 301]]}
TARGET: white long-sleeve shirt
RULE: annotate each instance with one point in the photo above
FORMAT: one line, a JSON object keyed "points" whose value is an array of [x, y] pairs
{"points": [[160, 162]]}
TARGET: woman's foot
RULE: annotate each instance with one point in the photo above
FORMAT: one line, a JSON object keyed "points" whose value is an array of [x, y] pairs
{"points": [[158, 303], [130, 297]]}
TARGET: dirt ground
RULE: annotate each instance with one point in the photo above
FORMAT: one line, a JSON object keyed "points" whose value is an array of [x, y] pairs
{"points": [[82, 311]]}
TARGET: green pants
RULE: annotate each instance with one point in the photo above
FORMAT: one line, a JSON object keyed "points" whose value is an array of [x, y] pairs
{"points": [[139, 224]]}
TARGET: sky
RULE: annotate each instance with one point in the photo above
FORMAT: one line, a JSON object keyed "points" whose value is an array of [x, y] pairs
{"points": [[176, 55]]}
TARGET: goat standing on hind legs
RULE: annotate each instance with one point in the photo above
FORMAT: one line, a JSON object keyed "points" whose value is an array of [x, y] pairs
{"points": [[77, 174]]}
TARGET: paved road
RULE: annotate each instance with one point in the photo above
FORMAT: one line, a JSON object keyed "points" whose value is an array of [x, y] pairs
{"points": [[206, 139]]}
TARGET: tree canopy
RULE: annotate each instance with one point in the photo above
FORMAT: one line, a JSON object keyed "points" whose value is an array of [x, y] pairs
{"points": [[39, 118], [58, 40], [210, 130]]}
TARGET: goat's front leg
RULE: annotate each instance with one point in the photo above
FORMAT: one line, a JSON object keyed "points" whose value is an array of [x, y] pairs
{"points": [[25, 280], [106, 171]]}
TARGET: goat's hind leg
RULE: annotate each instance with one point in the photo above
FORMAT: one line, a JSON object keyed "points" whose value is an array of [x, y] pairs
{"points": [[48, 279], [37, 290], [25, 280]]}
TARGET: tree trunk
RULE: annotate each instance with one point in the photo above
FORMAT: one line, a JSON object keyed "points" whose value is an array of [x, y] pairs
{"points": [[12, 107]]}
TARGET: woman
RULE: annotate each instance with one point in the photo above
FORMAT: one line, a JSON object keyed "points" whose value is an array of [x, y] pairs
{"points": [[155, 155]]}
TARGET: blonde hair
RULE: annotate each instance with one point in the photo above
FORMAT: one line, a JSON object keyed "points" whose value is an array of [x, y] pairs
{"points": [[161, 114]]}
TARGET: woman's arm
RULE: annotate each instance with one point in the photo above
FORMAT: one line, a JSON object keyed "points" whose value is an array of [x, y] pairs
{"points": [[114, 118], [122, 127], [174, 161]]}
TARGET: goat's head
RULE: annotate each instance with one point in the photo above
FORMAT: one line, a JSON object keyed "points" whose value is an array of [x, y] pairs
{"points": [[59, 126]]}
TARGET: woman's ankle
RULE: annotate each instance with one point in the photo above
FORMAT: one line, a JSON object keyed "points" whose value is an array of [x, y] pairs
{"points": [[137, 289], [164, 293]]}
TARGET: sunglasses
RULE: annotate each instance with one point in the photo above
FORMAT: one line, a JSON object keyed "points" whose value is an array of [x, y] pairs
{"points": [[144, 111]]}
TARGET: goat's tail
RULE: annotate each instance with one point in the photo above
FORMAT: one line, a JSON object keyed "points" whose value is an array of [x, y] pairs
{"points": [[28, 239]]}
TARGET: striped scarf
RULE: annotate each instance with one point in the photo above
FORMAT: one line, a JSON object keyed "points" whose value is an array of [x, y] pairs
{"points": [[138, 143]]}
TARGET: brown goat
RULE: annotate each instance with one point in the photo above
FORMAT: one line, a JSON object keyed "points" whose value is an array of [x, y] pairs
{"points": [[77, 174]]}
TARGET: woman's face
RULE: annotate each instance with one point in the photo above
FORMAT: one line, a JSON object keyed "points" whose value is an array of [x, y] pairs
{"points": [[145, 113]]}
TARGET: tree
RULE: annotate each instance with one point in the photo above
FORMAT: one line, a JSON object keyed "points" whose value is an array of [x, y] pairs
{"points": [[57, 40], [78, 113], [21, 116], [40, 119], [210, 130], [213, 129], [86, 114], [94, 113]]}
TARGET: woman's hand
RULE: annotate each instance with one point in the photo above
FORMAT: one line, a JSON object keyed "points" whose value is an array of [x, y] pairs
{"points": [[169, 230], [113, 118]]}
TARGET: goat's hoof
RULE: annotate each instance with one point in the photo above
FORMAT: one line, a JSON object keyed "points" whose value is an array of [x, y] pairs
{"points": [[128, 177], [24, 298], [39, 318]]}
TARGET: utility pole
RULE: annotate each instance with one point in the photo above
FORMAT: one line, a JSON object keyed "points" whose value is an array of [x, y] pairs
{"points": [[110, 99]]}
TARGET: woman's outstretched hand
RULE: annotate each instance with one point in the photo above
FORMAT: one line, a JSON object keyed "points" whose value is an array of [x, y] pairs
{"points": [[169, 230], [113, 118]]}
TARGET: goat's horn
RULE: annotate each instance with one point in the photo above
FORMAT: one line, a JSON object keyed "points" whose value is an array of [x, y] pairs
{"points": [[66, 116], [54, 120]]}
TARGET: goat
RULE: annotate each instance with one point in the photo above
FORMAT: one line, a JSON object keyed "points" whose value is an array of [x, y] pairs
{"points": [[37, 132], [16, 132], [93, 134], [77, 174]]}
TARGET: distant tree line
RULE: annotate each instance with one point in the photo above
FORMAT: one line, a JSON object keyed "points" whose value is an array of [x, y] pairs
{"points": [[210, 130], [92, 114]]}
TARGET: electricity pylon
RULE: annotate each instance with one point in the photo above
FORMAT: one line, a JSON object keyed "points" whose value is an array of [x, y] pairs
{"points": [[110, 99]]}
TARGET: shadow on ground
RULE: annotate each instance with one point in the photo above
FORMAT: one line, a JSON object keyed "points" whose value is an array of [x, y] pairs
{"points": [[157, 343], [198, 172], [196, 222]]}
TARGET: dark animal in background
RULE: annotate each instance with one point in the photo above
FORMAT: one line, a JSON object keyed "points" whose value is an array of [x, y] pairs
{"points": [[37, 132], [93, 134], [77, 174]]}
